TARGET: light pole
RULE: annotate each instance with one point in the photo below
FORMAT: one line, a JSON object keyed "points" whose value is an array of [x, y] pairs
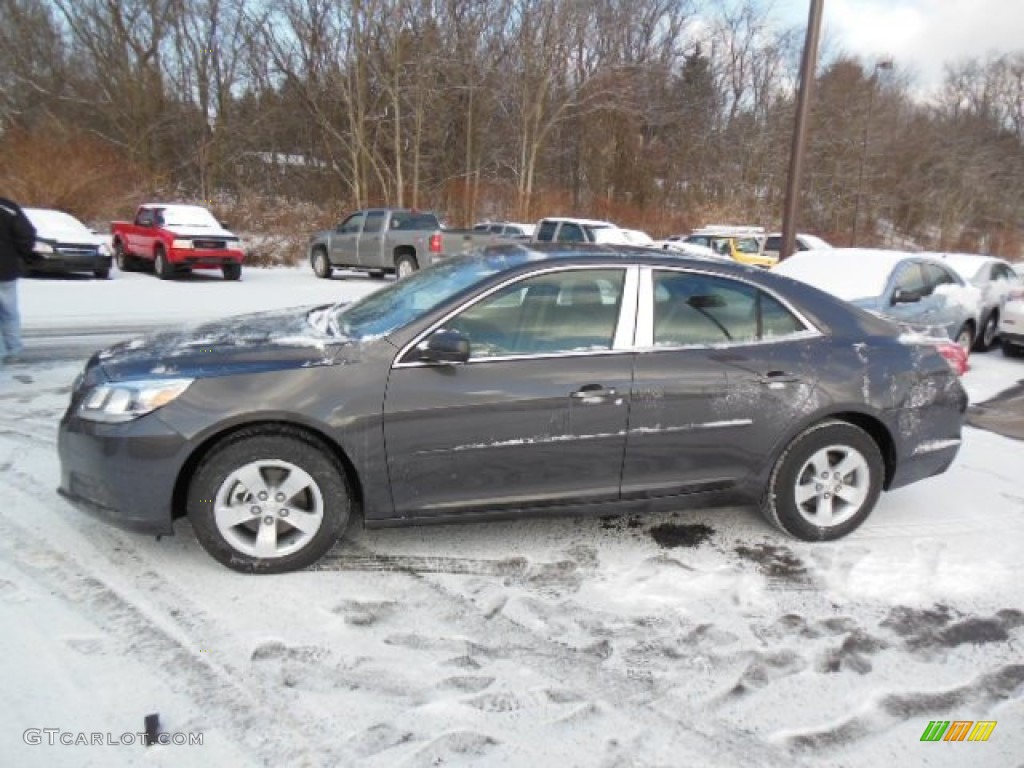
{"points": [[872, 83]]}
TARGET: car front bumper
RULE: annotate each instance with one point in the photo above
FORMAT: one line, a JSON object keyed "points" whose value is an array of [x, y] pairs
{"points": [[66, 262], [124, 473], [201, 258]]}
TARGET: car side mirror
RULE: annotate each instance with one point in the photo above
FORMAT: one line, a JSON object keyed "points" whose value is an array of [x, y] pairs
{"points": [[902, 296], [444, 347]]}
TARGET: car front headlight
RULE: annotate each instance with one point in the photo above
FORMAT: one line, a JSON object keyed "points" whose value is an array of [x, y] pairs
{"points": [[104, 249], [41, 247], [118, 402], [179, 244]]}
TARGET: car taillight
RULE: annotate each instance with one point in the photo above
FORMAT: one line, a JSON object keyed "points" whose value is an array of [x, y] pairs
{"points": [[955, 355], [435, 243]]}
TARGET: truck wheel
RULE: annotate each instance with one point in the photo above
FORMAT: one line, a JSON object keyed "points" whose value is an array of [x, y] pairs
{"points": [[161, 266], [405, 265], [232, 271], [125, 262], [269, 501], [321, 264]]}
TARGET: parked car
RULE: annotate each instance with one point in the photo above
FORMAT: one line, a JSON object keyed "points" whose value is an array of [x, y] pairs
{"points": [[1011, 322], [678, 243], [389, 240], [771, 245], [637, 237], [568, 230], [994, 278], [509, 381], [174, 239], [64, 244], [915, 290], [742, 244], [507, 229]]}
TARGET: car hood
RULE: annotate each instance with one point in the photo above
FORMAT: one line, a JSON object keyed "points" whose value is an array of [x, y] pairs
{"points": [[202, 232], [252, 343], [56, 235]]}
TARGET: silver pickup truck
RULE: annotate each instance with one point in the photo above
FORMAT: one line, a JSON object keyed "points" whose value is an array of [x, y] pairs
{"points": [[383, 240]]}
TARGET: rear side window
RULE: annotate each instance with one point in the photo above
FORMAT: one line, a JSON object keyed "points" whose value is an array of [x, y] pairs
{"points": [[694, 309], [407, 220], [546, 233], [775, 244], [571, 233]]}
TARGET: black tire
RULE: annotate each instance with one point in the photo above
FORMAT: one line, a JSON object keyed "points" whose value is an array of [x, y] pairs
{"points": [[321, 264], [405, 265], [1011, 350], [213, 483], [989, 332], [830, 440], [965, 337], [125, 261], [232, 271], [377, 274], [102, 273], [161, 266]]}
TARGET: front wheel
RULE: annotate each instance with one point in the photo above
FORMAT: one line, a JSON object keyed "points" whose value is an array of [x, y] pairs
{"points": [[232, 271], [267, 502], [321, 264], [987, 338], [124, 262], [405, 265], [101, 273], [825, 483], [965, 337], [161, 266]]}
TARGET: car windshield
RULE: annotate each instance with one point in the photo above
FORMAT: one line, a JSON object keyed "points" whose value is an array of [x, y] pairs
{"points": [[55, 221], [189, 216], [400, 303]]}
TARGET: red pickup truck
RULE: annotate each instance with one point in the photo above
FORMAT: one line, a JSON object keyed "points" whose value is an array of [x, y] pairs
{"points": [[176, 238]]}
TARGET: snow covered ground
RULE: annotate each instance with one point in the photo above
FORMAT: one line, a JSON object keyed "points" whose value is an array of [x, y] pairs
{"points": [[689, 639]]}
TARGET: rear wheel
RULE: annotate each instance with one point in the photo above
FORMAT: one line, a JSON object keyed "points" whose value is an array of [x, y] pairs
{"points": [[405, 265], [232, 271], [987, 338], [321, 264], [161, 266], [125, 262], [826, 482], [265, 502]]}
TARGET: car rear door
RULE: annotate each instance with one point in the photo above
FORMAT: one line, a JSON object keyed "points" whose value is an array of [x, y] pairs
{"points": [[538, 415], [370, 246], [722, 370]]}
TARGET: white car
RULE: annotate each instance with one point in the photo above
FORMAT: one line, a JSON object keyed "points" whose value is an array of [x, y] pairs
{"points": [[563, 229], [64, 244], [772, 244], [1011, 321], [994, 278], [506, 229], [679, 244]]}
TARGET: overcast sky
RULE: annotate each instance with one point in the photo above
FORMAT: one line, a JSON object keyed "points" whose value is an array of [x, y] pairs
{"points": [[920, 35]]}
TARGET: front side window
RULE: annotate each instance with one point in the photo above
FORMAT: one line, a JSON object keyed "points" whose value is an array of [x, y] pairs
{"points": [[559, 312], [938, 276], [692, 309], [351, 225], [145, 218], [911, 281], [571, 233], [546, 233], [374, 222]]}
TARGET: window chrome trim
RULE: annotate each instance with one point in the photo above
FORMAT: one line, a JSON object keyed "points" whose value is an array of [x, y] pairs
{"points": [[623, 327], [645, 321]]}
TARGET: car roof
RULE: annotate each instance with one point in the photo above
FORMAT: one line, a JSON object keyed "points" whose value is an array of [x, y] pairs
{"points": [[849, 273], [584, 222], [967, 264]]}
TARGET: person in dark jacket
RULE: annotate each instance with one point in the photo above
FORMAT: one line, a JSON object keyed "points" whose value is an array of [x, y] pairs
{"points": [[17, 236]]}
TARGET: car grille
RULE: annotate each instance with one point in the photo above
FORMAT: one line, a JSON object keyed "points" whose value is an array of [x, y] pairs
{"points": [[210, 245], [77, 250]]}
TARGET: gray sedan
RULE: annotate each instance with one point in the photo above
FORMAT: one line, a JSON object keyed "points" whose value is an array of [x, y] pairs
{"points": [[522, 379]]}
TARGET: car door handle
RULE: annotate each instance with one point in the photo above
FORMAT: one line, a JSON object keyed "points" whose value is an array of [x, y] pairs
{"points": [[593, 391], [778, 378]]}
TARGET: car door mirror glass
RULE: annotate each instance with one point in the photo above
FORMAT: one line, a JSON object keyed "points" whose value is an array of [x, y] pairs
{"points": [[903, 296], [444, 346]]}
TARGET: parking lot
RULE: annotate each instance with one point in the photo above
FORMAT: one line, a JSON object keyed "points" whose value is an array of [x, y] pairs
{"points": [[683, 638]]}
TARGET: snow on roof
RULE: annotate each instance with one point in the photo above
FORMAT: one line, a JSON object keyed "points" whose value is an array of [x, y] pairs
{"points": [[48, 220], [965, 264], [584, 222], [848, 273]]}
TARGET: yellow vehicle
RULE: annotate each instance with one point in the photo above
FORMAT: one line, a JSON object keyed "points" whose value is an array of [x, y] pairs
{"points": [[742, 244]]}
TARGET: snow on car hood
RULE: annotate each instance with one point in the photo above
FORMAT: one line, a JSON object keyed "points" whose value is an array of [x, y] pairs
{"points": [[252, 343], [59, 227], [214, 232]]}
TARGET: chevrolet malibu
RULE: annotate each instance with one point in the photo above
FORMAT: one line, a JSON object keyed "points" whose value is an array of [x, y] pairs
{"points": [[521, 379]]}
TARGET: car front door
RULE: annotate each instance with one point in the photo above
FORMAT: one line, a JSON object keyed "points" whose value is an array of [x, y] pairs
{"points": [[536, 417], [722, 370], [908, 299], [370, 239], [345, 239]]}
